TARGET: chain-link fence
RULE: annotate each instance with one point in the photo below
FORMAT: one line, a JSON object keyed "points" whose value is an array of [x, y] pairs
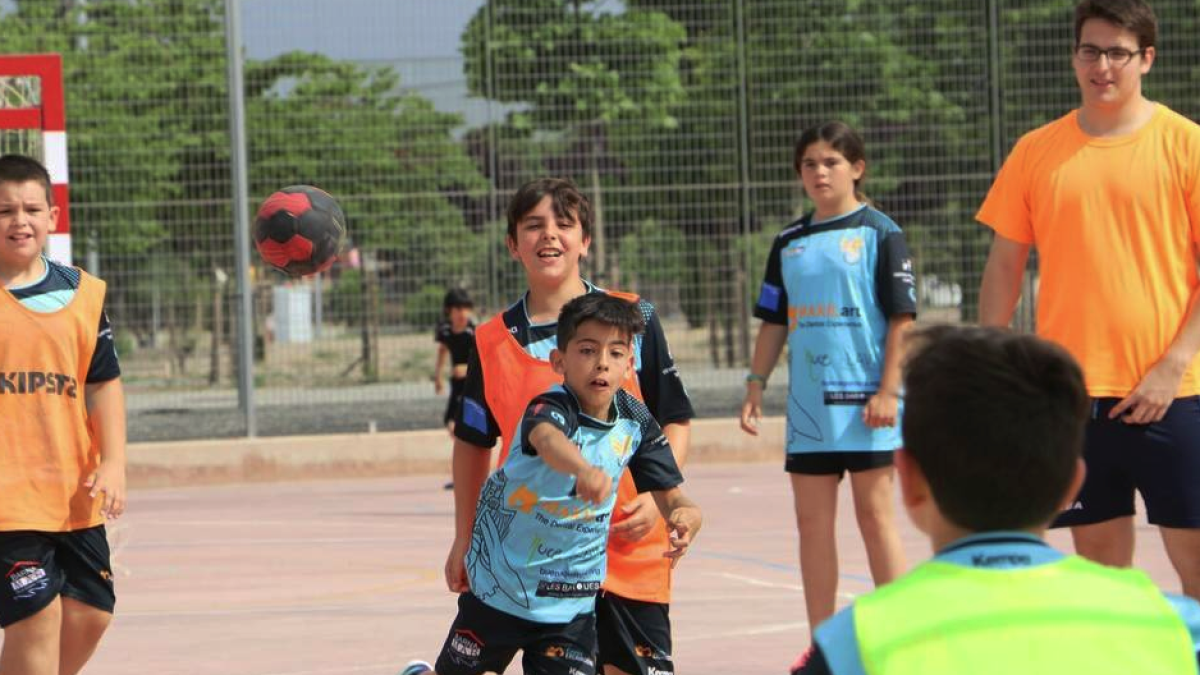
{"points": [[677, 117]]}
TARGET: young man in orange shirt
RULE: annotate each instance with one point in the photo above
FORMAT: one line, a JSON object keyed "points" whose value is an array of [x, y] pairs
{"points": [[1109, 195]]}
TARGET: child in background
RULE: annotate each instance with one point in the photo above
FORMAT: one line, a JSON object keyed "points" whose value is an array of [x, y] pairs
{"points": [[839, 290], [537, 552], [455, 335], [62, 440], [993, 444]]}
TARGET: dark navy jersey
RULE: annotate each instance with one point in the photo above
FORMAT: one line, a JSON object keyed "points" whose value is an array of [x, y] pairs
{"points": [[460, 345], [662, 388], [54, 291], [836, 643], [538, 551], [835, 284]]}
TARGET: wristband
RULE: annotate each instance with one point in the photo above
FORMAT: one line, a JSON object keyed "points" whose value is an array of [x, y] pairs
{"points": [[754, 377]]}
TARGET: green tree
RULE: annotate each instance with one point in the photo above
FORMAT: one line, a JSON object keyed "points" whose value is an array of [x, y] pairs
{"points": [[596, 82], [147, 110]]}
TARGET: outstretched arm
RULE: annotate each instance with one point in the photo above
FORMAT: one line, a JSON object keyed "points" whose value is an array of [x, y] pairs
{"points": [[559, 453]]}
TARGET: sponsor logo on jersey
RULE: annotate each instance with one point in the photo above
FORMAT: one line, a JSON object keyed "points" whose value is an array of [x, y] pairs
{"points": [[620, 446], [36, 381], [567, 589], [852, 247]]}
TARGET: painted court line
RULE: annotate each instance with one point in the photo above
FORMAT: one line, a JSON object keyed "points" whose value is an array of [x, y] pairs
{"points": [[771, 584], [766, 629], [378, 667]]}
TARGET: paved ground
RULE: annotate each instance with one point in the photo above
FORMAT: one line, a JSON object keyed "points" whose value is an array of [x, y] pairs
{"points": [[324, 578]]}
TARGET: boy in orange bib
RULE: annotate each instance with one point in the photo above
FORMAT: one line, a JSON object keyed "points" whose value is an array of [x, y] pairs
{"points": [[62, 440]]}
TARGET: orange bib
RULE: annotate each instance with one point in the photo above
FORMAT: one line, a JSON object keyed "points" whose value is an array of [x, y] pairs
{"points": [[511, 379], [47, 447]]}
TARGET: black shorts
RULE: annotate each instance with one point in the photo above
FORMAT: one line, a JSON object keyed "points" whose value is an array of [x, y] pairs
{"points": [[634, 636], [1160, 460], [455, 400], [485, 640], [836, 463], [40, 566]]}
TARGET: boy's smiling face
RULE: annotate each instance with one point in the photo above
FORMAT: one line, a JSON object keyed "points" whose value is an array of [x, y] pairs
{"points": [[548, 246], [594, 365], [26, 218]]}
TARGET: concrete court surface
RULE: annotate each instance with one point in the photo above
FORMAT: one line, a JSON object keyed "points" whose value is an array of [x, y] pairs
{"points": [[344, 576]]}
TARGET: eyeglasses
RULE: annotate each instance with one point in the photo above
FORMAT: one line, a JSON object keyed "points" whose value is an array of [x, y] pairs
{"points": [[1117, 56]]}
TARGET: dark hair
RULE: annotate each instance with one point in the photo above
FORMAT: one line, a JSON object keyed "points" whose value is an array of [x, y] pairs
{"points": [[1132, 15], [841, 137], [995, 421], [565, 199], [598, 306], [22, 169], [456, 297]]}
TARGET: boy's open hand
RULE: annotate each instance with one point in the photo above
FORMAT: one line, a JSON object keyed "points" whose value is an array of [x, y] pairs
{"points": [[108, 480], [642, 514], [683, 525], [592, 484]]}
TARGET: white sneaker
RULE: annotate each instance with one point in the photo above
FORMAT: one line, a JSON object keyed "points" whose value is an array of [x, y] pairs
{"points": [[416, 668]]}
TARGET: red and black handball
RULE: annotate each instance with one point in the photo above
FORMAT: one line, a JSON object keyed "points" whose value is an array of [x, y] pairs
{"points": [[299, 230]]}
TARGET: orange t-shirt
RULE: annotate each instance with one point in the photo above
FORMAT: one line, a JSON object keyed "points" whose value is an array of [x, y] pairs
{"points": [[1115, 222], [47, 447]]}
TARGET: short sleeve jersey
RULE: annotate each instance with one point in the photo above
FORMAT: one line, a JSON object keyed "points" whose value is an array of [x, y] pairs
{"points": [[54, 291], [662, 388], [459, 345], [537, 550], [835, 284], [1115, 222]]}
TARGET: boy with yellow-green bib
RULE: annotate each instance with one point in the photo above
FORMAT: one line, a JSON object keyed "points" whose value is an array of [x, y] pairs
{"points": [[993, 436]]}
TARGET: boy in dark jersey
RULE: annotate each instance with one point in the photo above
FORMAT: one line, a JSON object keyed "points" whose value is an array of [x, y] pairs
{"points": [[537, 553], [455, 335], [549, 232], [62, 440]]}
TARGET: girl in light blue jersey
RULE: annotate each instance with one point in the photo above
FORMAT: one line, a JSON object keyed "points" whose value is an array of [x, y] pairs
{"points": [[839, 291]]}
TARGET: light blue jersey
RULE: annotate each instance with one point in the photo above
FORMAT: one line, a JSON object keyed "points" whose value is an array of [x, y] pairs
{"points": [[537, 550], [835, 284]]}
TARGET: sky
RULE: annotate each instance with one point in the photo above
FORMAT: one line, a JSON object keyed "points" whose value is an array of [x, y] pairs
{"points": [[418, 38], [359, 30]]}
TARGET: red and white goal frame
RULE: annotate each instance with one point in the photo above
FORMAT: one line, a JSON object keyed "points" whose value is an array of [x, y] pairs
{"points": [[33, 121]]}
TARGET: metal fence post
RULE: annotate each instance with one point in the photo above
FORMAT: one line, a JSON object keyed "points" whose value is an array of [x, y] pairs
{"points": [[241, 216]]}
